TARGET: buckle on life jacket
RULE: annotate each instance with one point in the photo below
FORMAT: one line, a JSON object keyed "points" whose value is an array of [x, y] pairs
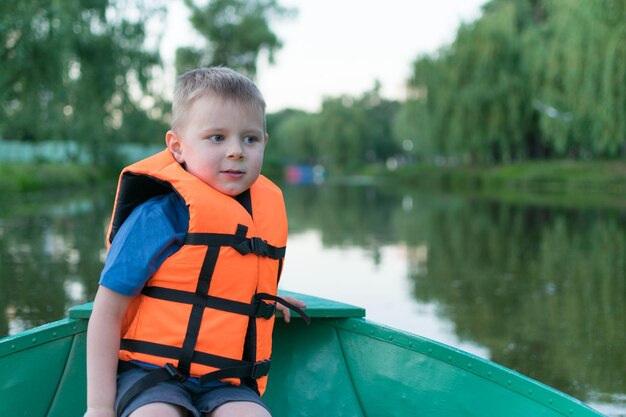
{"points": [[175, 373], [259, 246], [265, 310], [260, 369], [254, 245]]}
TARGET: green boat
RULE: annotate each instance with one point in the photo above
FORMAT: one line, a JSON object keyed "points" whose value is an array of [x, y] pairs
{"points": [[340, 365]]}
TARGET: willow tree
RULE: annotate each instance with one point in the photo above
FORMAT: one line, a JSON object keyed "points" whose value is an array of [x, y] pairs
{"points": [[581, 80], [476, 89], [73, 70], [418, 124], [235, 31], [528, 79]]}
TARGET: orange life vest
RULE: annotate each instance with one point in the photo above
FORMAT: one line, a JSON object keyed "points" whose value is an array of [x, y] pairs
{"points": [[208, 310]]}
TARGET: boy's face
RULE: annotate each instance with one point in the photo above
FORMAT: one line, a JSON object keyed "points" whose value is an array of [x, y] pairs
{"points": [[221, 142]]}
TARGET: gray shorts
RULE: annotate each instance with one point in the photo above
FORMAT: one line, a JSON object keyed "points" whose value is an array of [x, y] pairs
{"points": [[188, 394]]}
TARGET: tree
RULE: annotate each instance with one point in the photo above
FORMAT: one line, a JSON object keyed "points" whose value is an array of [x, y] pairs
{"points": [[292, 137], [236, 31], [474, 90], [73, 70], [528, 79], [581, 78], [415, 121], [347, 133]]}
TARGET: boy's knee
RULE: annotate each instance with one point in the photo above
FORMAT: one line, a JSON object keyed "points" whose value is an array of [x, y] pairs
{"points": [[240, 409], [159, 410]]}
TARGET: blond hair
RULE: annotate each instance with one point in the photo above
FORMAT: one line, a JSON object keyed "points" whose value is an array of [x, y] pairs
{"points": [[221, 81]]}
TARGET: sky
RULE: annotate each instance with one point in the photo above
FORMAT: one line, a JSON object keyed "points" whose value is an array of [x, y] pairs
{"points": [[336, 47]]}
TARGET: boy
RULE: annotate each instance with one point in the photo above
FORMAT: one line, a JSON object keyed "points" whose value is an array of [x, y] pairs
{"points": [[197, 242]]}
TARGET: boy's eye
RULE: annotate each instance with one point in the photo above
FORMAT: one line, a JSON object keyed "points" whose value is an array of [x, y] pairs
{"points": [[216, 138], [250, 139]]}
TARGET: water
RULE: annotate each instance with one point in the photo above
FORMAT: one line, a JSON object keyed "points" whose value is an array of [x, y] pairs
{"points": [[537, 288]]}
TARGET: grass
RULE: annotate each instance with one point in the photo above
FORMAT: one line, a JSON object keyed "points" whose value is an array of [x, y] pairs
{"points": [[548, 176], [563, 182], [28, 177], [561, 176]]}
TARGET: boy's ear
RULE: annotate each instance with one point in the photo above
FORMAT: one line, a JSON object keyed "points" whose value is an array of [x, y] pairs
{"points": [[173, 144]]}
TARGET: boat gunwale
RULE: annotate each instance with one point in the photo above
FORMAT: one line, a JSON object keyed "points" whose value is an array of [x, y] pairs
{"points": [[68, 327]]}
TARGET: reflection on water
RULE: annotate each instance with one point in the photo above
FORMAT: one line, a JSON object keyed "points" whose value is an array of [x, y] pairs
{"points": [[50, 248], [351, 275], [537, 289]]}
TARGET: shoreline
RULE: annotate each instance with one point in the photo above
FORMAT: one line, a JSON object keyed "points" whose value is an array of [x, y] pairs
{"points": [[547, 182], [35, 177]]}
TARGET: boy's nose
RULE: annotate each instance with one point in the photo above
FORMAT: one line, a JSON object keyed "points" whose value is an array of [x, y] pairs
{"points": [[235, 150]]}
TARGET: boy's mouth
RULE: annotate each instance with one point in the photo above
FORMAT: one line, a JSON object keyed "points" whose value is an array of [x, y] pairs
{"points": [[233, 172]]}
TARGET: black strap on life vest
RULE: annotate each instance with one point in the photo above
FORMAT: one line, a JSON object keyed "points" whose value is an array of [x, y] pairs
{"points": [[152, 378], [257, 308], [240, 243], [172, 352]]}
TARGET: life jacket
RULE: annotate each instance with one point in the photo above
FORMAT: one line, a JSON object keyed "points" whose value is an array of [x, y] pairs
{"points": [[208, 311]]}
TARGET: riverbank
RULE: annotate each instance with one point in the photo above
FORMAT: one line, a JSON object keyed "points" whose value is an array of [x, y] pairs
{"points": [[31, 177], [51, 176], [551, 183], [536, 176], [577, 180]]}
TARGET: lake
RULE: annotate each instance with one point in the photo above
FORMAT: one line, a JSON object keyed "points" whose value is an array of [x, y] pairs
{"points": [[539, 288]]}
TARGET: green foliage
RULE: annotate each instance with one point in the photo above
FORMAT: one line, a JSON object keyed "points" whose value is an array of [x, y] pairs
{"points": [[585, 75], [236, 32], [76, 71], [81, 71], [292, 135], [540, 181], [474, 91], [47, 176], [529, 79], [345, 135]]}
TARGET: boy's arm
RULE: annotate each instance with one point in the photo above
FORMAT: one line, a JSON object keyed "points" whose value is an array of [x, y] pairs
{"points": [[103, 343]]}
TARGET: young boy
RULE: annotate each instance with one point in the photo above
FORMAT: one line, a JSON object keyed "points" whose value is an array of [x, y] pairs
{"points": [[197, 239]]}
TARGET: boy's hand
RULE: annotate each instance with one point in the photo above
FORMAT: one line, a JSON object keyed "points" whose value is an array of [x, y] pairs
{"points": [[285, 310]]}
